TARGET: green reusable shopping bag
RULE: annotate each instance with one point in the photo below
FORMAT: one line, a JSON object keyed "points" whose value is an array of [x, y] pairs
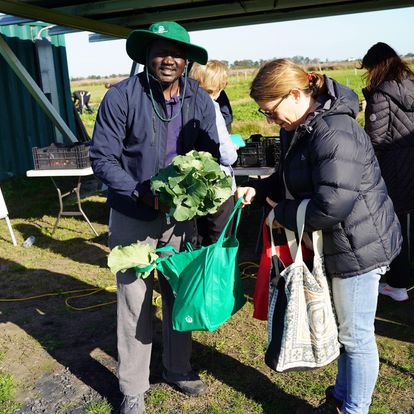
{"points": [[206, 282]]}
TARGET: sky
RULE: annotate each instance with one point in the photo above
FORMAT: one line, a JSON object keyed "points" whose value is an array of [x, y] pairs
{"points": [[333, 38]]}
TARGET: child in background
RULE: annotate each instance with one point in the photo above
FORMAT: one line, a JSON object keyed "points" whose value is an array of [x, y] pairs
{"points": [[213, 78]]}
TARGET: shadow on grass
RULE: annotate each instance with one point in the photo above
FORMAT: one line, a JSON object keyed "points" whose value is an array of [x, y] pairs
{"points": [[395, 319], [78, 249], [69, 336], [32, 198], [85, 342], [245, 379]]}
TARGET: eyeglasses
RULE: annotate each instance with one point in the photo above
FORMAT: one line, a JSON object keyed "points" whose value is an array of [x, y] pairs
{"points": [[269, 114]]}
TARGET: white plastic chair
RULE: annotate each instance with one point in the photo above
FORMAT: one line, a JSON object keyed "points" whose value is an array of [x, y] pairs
{"points": [[4, 214]]}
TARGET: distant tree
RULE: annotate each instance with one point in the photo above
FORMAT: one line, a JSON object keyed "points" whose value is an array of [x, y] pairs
{"points": [[244, 64]]}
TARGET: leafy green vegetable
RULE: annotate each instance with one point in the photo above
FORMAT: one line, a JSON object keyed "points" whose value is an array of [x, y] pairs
{"points": [[192, 185], [121, 258]]}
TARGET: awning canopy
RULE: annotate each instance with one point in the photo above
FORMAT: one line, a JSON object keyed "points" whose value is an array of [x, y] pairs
{"points": [[116, 18]]}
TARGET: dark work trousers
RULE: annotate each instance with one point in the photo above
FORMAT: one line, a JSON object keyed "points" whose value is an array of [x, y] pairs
{"points": [[81, 100], [210, 227], [399, 274], [134, 304]]}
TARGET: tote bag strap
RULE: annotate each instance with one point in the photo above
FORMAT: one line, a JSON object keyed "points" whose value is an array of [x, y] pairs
{"points": [[317, 239], [317, 242], [270, 218], [295, 251], [237, 210], [290, 236], [165, 249]]}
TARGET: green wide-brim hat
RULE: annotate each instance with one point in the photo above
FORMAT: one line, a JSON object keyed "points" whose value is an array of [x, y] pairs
{"points": [[139, 40]]}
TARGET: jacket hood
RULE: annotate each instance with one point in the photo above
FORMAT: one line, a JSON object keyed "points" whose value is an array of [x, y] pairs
{"points": [[343, 99], [338, 99], [402, 93]]}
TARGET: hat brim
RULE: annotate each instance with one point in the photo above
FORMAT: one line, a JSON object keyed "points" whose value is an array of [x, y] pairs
{"points": [[139, 40]]}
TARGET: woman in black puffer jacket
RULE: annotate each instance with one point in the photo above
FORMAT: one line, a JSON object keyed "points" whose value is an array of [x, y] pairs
{"points": [[389, 121], [328, 158]]}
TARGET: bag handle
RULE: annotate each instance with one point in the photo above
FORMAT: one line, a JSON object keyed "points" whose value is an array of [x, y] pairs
{"points": [[300, 225], [317, 240], [270, 218], [290, 235], [275, 258], [165, 249], [170, 249], [237, 210]]}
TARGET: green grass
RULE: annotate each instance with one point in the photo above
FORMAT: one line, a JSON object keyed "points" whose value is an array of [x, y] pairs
{"points": [[230, 360], [6, 387], [98, 407], [7, 390]]}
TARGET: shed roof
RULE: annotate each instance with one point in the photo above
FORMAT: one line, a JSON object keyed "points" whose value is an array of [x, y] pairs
{"points": [[116, 18]]}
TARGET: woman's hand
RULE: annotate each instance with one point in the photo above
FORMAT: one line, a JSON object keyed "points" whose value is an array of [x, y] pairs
{"points": [[247, 193], [275, 224]]}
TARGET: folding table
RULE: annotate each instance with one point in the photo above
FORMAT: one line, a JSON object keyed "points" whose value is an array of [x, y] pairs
{"points": [[79, 173], [4, 214], [254, 171]]}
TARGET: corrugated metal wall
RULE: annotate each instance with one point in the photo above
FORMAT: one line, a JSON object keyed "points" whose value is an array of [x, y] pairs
{"points": [[23, 124]]}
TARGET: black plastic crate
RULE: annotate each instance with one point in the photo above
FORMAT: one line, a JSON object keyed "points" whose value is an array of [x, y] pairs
{"points": [[252, 155], [272, 151], [61, 157], [259, 151]]}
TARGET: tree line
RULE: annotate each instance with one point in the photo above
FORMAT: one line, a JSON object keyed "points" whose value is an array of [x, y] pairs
{"points": [[252, 64]]}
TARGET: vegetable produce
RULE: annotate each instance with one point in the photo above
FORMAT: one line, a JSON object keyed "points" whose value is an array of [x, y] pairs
{"points": [[192, 185], [122, 258]]}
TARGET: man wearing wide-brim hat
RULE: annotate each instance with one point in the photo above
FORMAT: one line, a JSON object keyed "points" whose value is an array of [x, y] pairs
{"points": [[142, 123]]}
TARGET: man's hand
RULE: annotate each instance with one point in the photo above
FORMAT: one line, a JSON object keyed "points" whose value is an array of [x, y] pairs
{"points": [[247, 193], [151, 200]]}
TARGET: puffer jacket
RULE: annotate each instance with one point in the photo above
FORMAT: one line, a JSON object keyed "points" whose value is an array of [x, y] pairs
{"points": [[389, 121], [330, 160]]}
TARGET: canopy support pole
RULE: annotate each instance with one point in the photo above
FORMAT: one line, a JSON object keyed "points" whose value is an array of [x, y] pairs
{"points": [[35, 91]]}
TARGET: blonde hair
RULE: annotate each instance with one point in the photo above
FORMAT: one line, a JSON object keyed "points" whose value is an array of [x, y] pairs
{"points": [[212, 76], [278, 77]]}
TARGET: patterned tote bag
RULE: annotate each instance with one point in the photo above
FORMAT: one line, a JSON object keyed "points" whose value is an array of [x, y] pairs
{"points": [[302, 328]]}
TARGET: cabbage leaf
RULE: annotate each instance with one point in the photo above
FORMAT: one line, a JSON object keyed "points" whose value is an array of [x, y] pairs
{"points": [[193, 185]]}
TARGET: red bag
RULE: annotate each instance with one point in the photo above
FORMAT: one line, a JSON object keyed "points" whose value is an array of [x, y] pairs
{"points": [[261, 290]]}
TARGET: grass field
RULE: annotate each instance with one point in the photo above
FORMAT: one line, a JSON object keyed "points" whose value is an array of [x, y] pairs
{"points": [[62, 360]]}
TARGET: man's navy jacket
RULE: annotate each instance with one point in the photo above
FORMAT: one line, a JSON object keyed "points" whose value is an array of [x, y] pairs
{"points": [[129, 140]]}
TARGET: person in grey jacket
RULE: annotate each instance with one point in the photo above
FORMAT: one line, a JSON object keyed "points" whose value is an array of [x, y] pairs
{"points": [[142, 123], [213, 78], [389, 121], [328, 158]]}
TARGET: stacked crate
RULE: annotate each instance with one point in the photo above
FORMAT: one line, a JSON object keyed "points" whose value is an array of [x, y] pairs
{"points": [[57, 157], [259, 151]]}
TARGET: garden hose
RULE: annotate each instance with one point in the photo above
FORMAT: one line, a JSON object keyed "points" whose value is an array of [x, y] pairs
{"points": [[249, 270]]}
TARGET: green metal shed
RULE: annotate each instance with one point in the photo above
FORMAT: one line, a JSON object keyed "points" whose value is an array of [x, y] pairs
{"points": [[23, 124]]}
